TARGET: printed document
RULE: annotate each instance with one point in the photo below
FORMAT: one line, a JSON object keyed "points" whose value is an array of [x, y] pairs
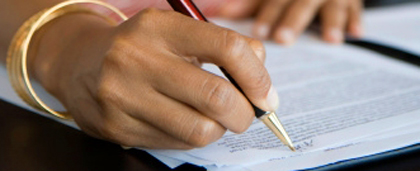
{"points": [[332, 99]]}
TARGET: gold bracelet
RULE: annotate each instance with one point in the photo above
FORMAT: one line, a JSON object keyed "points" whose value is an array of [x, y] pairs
{"points": [[18, 49]]}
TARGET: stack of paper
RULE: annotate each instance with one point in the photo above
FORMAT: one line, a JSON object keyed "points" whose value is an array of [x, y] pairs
{"points": [[337, 103]]}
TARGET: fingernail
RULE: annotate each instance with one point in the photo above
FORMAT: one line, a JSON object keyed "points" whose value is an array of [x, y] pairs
{"points": [[263, 31], [356, 31], [272, 99], [126, 148], [335, 35], [286, 36]]}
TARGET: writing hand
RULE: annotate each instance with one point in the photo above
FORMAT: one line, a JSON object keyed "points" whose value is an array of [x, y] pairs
{"points": [[140, 85]]}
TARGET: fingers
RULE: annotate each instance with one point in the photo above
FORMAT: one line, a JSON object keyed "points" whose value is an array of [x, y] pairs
{"points": [[258, 48], [211, 95], [131, 132], [355, 27], [227, 49], [238, 8], [178, 120], [334, 18], [232, 51], [146, 87], [118, 127], [285, 20], [268, 17], [129, 115], [296, 19]]}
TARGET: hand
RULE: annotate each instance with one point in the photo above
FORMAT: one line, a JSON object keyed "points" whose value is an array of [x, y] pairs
{"points": [[284, 20], [139, 84]]}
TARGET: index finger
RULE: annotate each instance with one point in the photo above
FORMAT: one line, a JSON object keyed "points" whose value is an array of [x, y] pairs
{"points": [[297, 18], [229, 50]]}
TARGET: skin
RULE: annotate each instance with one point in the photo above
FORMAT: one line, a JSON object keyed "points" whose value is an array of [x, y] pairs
{"points": [[281, 20], [140, 84], [285, 20]]}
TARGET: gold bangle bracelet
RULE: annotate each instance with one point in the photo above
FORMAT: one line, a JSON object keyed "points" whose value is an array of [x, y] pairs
{"points": [[18, 49]]}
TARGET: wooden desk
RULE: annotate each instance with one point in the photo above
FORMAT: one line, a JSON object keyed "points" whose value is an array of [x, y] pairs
{"points": [[29, 142]]}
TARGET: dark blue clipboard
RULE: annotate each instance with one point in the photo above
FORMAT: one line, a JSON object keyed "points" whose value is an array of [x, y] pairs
{"points": [[387, 50], [395, 53], [379, 158]]}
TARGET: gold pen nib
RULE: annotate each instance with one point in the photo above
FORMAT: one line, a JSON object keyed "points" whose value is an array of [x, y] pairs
{"points": [[272, 121]]}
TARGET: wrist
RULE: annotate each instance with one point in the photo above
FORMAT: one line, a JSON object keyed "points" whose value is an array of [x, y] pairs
{"points": [[47, 59]]}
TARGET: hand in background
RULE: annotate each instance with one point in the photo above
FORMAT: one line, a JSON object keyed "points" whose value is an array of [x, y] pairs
{"points": [[285, 20]]}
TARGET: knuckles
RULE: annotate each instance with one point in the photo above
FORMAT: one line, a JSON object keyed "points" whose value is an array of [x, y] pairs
{"points": [[147, 18], [259, 49], [221, 99], [108, 89], [203, 134], [106, 94], [151, 20], [150, 14], [122, 53], [219, 96], [247, 123], [115, 131], [261, 82], [232, 45]]}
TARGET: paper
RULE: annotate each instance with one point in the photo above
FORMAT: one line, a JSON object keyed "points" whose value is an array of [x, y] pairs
{"points": [[397, 26], [401, 137], [331, 97]]}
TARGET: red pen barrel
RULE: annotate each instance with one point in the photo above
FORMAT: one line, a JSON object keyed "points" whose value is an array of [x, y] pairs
{"points": [[188, 8]]}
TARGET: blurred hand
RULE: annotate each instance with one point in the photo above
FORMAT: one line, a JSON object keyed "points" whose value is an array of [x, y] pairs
{"points": [[140, 85], [285, 20]]}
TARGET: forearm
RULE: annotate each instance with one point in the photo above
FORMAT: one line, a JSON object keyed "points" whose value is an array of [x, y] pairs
{"points": [[44, 60], [14, 12], [12, 15]]}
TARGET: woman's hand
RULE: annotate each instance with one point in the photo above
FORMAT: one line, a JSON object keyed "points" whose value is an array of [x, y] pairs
{"points": [[284, 20], [140, 84]]}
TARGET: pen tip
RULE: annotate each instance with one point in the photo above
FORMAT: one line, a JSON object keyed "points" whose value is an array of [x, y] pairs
{"points": [[292, 148], [273, 122]]}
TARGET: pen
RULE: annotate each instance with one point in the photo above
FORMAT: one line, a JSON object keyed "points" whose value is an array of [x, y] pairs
{"points": [[269, 118]]}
